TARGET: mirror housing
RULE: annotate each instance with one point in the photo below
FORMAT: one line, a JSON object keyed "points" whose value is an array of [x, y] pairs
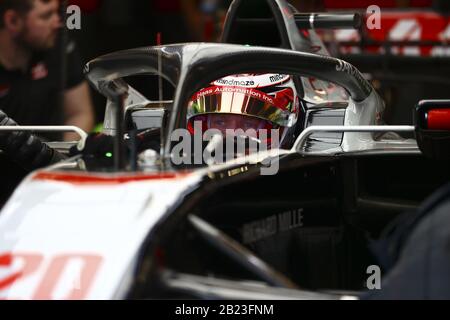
{"points": [[432, 121], [150, 116]]}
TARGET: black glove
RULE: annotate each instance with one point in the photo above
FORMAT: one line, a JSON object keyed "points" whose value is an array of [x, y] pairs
{"points": [[97, 152], [26, 149], [99, 145]]}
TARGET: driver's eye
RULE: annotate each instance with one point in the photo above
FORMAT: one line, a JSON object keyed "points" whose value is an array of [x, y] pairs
{"points": [[248, 124], [219, 122]]}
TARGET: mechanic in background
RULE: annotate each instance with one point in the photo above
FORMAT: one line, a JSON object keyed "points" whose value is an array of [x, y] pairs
{"points": [[31, 90]]}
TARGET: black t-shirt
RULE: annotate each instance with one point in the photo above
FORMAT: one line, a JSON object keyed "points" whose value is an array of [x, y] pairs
{"points": [[33, 97]]}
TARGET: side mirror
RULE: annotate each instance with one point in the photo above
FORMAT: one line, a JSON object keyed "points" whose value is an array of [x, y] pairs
{"points": [[150, 116], [432, 120]]}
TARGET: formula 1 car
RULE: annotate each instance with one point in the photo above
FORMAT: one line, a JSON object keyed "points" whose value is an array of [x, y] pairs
{"points": [[96, 221]]}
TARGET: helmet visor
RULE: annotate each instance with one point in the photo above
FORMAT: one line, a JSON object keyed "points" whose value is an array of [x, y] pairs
{"points": [[275, 108]]}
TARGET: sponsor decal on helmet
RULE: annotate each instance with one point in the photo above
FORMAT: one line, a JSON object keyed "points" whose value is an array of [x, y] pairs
{"points": [[234, 82], [280, 99], [253, 81]]}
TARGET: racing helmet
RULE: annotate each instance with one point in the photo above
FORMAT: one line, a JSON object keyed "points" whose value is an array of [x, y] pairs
{"points": [[247, 101]]}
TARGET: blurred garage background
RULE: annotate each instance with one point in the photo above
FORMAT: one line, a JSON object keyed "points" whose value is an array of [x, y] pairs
{"points": [[407, 59]]}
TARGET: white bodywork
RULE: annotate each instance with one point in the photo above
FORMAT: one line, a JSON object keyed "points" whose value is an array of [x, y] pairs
{"points": [[78, 241]]}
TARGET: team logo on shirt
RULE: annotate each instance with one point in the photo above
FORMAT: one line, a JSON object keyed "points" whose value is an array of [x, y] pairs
{"points": [[4, 89], [39, 71]]}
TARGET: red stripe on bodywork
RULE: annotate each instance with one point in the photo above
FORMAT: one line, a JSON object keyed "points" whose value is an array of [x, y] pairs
{"points": [[6, 261], [96, 179], [31, 264]]}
